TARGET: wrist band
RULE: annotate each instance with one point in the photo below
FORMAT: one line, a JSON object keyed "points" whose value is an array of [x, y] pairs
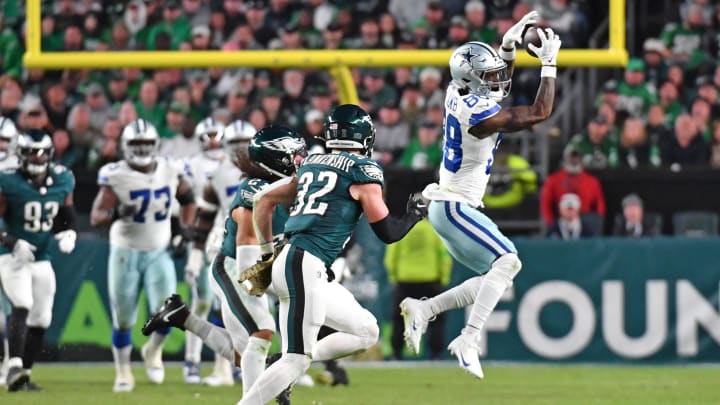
{"points": [[266, 248], [507, 54], [548, 71]]}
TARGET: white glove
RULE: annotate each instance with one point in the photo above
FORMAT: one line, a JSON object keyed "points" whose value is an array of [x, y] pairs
{"points": [[23, 251], [514, 34], [195, 261], [66, 240], [549, 47]]}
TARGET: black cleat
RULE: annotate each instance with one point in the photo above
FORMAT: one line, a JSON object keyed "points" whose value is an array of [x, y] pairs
{"points": [[339, 375], [30, 386], [16, 378], [283, 398], [174, 312]]}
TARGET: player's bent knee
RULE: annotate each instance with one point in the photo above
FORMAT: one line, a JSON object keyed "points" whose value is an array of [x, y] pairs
{"points": [[264, 334], [371, 335], [298, 361], [508, 264]]}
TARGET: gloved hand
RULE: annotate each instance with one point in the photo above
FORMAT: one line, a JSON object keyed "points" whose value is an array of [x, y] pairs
{"points": [[23, 251], [195, 261], [417, 205], [179, 243], [515, 33], [125, 210], [66, 240], [256, 278], [550, 46]]}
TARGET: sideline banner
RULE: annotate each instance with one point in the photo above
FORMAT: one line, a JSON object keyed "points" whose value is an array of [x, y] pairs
{"points": [[600, 300]]}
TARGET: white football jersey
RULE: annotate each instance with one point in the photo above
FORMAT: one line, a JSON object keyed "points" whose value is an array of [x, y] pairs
{"points": [[152, 194], [202, 168], [467, 160], [225, 181], [11, 162]]}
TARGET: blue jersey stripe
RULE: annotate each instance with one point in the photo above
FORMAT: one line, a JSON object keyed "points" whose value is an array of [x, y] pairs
{"points": [[480, 117]]}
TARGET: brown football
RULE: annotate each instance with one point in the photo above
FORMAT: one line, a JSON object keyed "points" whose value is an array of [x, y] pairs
{"points": [[531, 37]]}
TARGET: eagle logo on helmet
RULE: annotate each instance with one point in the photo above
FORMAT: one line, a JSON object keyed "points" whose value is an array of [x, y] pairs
{"points": [[283, 144]]}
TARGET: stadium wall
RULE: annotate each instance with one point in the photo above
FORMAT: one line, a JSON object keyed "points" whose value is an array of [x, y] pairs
{"points": [[601, 300]]}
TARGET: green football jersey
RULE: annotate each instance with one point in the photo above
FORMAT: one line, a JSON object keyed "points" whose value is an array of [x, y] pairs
{"points": [[31, 210], [244, 198], [324, 214]]}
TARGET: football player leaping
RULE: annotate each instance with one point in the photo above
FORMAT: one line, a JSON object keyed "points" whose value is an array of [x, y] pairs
{"points": [[135, 197], [31, 198], [474, 123]]}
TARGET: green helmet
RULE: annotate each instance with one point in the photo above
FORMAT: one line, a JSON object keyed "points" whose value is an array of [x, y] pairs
{"points": [[349, 127], [274, 149]]}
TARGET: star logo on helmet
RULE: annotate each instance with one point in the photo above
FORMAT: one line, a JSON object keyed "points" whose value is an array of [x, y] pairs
{"points": [[468, 55]]}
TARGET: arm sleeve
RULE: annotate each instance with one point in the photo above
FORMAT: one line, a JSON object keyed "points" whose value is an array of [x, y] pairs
{"points": [[391, 229]]}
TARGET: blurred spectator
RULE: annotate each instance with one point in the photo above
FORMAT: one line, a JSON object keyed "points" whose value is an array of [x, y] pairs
{"points": [[420, 266], [280, 13], [392, 134], [93, 32], [323, 14], [148, 106], [66, 15], [32, 114], [303, 20], [117, 89], [608, 94], [197, 11], [57, 109], [198, 83], [571, 178], [178, 142], [271, 101], [635, 148], [435, 112], [10, 96], [120, 38], [313, 131], [294, 103], [127, 113], [407, 11], [256, 17], [708, 92], [321, 99], [375, 87], [236, 102], [633, 222], [654, 56], [635, 95], [430, 79], [700, 112], [684, 40], [106, 148], [424, 151], [290, 38], [565, 19], [174, 24], [258, 118], [477, 24], [512, 181], [411, 104], [369, 35], [458, 33], [234, 15], [135, 19], [597, 148], [78, 123], [669, 101], [100, 110], [435, 24], [65, 153], [676, 76], [715, 146], [569, 225], [687, 148], [200, 36], [332, 36], [658, 131], [11, 51], [389, 33]]}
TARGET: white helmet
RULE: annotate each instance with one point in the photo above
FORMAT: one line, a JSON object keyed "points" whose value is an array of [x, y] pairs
{"points": [[478, 67], [238, 132], [9, 133], [207, 130], [140, 143]]}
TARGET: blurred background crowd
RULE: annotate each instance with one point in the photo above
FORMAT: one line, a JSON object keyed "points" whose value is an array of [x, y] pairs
{"points": [[662, 111]]}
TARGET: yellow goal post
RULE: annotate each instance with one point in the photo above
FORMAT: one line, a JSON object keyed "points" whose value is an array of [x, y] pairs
{"points": [[337, 62]]}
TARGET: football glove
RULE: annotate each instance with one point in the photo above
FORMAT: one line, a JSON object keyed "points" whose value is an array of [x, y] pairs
{"points": [[125, 211], [180, 242], [550, 46], [417, 206], [256, 278], [514, 34], [195, 261], [23, 251], [66, 240]]}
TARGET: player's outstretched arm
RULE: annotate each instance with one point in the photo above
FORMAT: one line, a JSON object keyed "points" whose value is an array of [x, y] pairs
{"points": [[67, 235], [514, 36], [387, 227], [281, 192], [522, 117], [105, 207], [186, 198], [207, 208]]}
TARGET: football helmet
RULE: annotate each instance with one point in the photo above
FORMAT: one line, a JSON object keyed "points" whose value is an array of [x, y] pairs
{"points": [[210, 133], [35, 151], [9, 134], [349, 127], [275, 149], [140, 143], [476, 66]]}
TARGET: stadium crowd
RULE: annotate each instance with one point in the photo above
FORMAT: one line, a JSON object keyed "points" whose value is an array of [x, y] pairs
{"points": [[662, 112]]}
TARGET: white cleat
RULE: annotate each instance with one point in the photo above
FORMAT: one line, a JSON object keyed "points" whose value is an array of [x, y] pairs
{"points": [[221, 375], [465, 347], [214, 380], [152, 357], [124, 380], [415, 323], [305, 381]]}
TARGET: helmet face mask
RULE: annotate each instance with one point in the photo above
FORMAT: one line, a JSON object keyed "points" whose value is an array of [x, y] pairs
{"points": [[278, 150], [350, 127], [8, 138], [140, 143], [477, 67], [236, 138], [35, 152], [210, 133]]}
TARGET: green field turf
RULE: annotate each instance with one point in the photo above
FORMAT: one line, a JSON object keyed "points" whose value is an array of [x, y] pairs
{"points": [[446, 385]]}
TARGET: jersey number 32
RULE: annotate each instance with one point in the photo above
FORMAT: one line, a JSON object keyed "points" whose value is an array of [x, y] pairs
{"points": [[306, 201]]}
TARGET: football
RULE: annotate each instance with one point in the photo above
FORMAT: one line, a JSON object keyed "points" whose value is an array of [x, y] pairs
{"points": [[530, 36]]}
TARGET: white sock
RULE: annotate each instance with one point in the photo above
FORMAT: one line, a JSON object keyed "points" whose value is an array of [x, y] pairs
{"points": [[276, 378], [15, 362], [459, 296], [215, 337], [252, 362], [121, 356], [193, 343], [157, 340], [492, 288]]}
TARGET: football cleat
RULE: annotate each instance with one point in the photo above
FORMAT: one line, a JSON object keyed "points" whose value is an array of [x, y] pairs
{"points": [[16, 378], [465, 347], [282, 398], [415, 321], [30, 387], [191, 373], [221, 375], [124, 380], [152, 357], [338, 374], [174, 312]]}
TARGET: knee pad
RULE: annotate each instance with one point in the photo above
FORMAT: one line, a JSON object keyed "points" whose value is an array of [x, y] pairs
{"points": [[40, 319], [506, 267], [297, 361], [372, 335]]}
